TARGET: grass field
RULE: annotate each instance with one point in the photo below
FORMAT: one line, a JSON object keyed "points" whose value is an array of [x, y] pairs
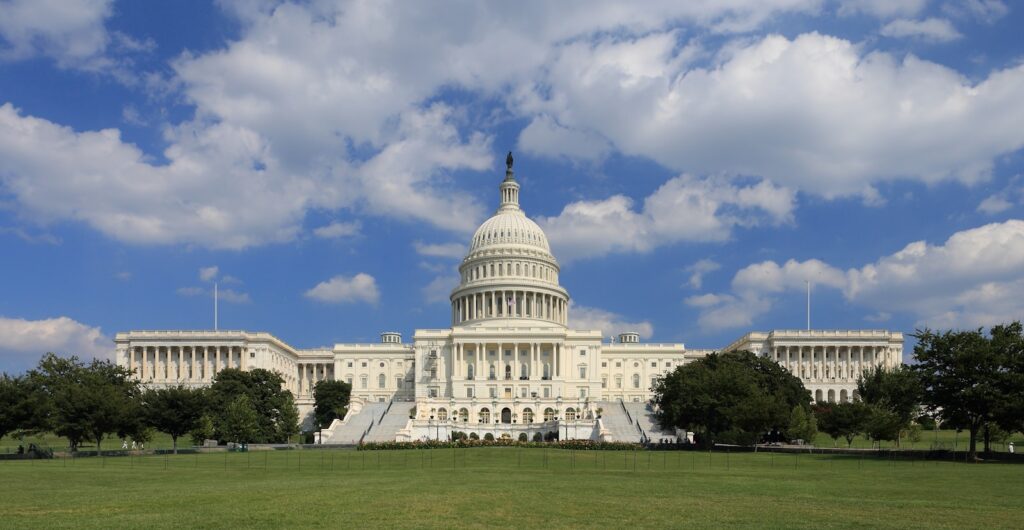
{"points": [[508, 487]]}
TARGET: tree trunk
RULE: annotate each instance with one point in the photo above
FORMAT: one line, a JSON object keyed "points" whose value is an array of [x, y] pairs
{"points": [[98, 439], [988, 439], [174, 444], [972, 453]]}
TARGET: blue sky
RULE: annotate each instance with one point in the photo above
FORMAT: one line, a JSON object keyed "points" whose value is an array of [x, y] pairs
{"points": [[693, 163]]}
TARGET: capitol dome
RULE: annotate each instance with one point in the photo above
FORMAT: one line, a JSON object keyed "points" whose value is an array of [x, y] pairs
{"points": [[509, 271]]}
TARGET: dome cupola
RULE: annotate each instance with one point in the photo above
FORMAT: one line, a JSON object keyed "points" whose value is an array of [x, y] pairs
{"points": [[509, 272]]}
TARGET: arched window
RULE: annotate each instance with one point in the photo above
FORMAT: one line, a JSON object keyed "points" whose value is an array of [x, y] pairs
{"points": [[618, 381], [463, 414], [485, 415], [492, 376], [570, 414], [549, 414], [469, 371], [818, 398], [527, 416], [442, 414], [524, 371], [636, 380]]}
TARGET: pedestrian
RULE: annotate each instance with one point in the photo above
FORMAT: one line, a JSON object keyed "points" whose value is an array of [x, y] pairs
{"points": [[124, 444], [1010, 447]]}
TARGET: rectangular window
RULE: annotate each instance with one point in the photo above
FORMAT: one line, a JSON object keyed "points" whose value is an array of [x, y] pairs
{"points": [[583, 372], [432, 392], [604, 382], [469, 392], [524, 392], [364, 364], [583, 392], [604, 365], [618, 365], [668, 364], [654, 364], [547, 391], [583, 353], [350, 364], [508, 353], [493, 392]]}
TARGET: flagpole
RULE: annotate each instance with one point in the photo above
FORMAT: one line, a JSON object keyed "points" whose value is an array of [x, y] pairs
{"points": [[215, 306], [808, 282]]}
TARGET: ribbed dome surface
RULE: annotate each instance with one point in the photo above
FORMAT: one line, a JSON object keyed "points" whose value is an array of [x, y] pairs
{"points": [[510, 227]]}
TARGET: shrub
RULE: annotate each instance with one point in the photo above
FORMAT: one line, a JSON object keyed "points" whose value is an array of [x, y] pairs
{"points": [[538, 437], [489, 437], [550, 436], [474, 436], [523, 437]]}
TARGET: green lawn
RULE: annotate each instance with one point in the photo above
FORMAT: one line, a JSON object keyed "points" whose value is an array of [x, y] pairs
{"points": [[508, 487], [943, 439]]}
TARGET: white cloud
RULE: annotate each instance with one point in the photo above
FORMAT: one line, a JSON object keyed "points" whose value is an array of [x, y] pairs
{"points": [[610, 324], [685, 208], [231, 295], [70, 31], [973, 279], [882, 8], [698, 270], [440, 250], [337, 230], [207, 274], [816, 114], [544, 137], [191, 291], [987, 11], [929, 29], [23, 342], [440, 288], [994, 204], [341, 289]]}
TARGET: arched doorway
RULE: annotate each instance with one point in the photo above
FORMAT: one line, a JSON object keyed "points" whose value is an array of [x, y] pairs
{"points": [[506, 415]]}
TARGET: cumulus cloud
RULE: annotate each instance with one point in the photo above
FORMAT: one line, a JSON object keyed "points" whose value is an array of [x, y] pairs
{"points": [[70, 31], [440, 288], [337, 230], [208, 274], [440, 250], [23, 341], [929, 29], [815, 113], [343, 289], [698, 270], [882, 8], [610, 324], [685, 208], [973, 279]]}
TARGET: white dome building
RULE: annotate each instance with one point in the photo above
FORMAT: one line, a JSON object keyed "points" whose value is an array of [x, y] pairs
{"points": [[508, 366], [509, 272]]}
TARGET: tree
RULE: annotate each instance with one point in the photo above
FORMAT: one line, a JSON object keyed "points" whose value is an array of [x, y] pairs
{"points": [[240, 421], [85, 401], [972, 380], [896, 392], [175, 410], [731, 397], [17, 404], [203, 430], [330, 402], [266, 395], [288, 419], [842, 420], [802, 425]]}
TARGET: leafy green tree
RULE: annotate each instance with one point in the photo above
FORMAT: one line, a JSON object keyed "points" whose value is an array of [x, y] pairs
{"points": [[802, 425], [175, 410], [842, 420], [961, 376], [265, 391], [18, 404], [240, 421], [731, 397], [85, 401], [896, 391], [1008, 411], [330, 402], [882, 424], [288, 419], [203, 430]]}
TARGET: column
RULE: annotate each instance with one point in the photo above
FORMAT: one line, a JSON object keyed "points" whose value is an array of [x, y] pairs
{"points": [[558, 360], [243, 355], [205, 375], [131, 359]]}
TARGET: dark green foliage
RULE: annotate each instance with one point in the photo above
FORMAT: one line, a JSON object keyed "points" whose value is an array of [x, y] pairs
{"points": [[274, 407], [489, 437], [240, 422], [474, 436], [538, 437], [175, 411], [802, 425], [203, 430], [81, 401], [971, 380], [523, 437], [842, 420], [731, 397], [19, 404], [331, 402]]}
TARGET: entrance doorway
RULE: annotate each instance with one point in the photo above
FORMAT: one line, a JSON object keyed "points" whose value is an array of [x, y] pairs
{"points": [[506, 415]]}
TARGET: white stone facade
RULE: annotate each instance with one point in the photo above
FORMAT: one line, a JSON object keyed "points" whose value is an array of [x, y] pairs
{"points": [[508, 364]]}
